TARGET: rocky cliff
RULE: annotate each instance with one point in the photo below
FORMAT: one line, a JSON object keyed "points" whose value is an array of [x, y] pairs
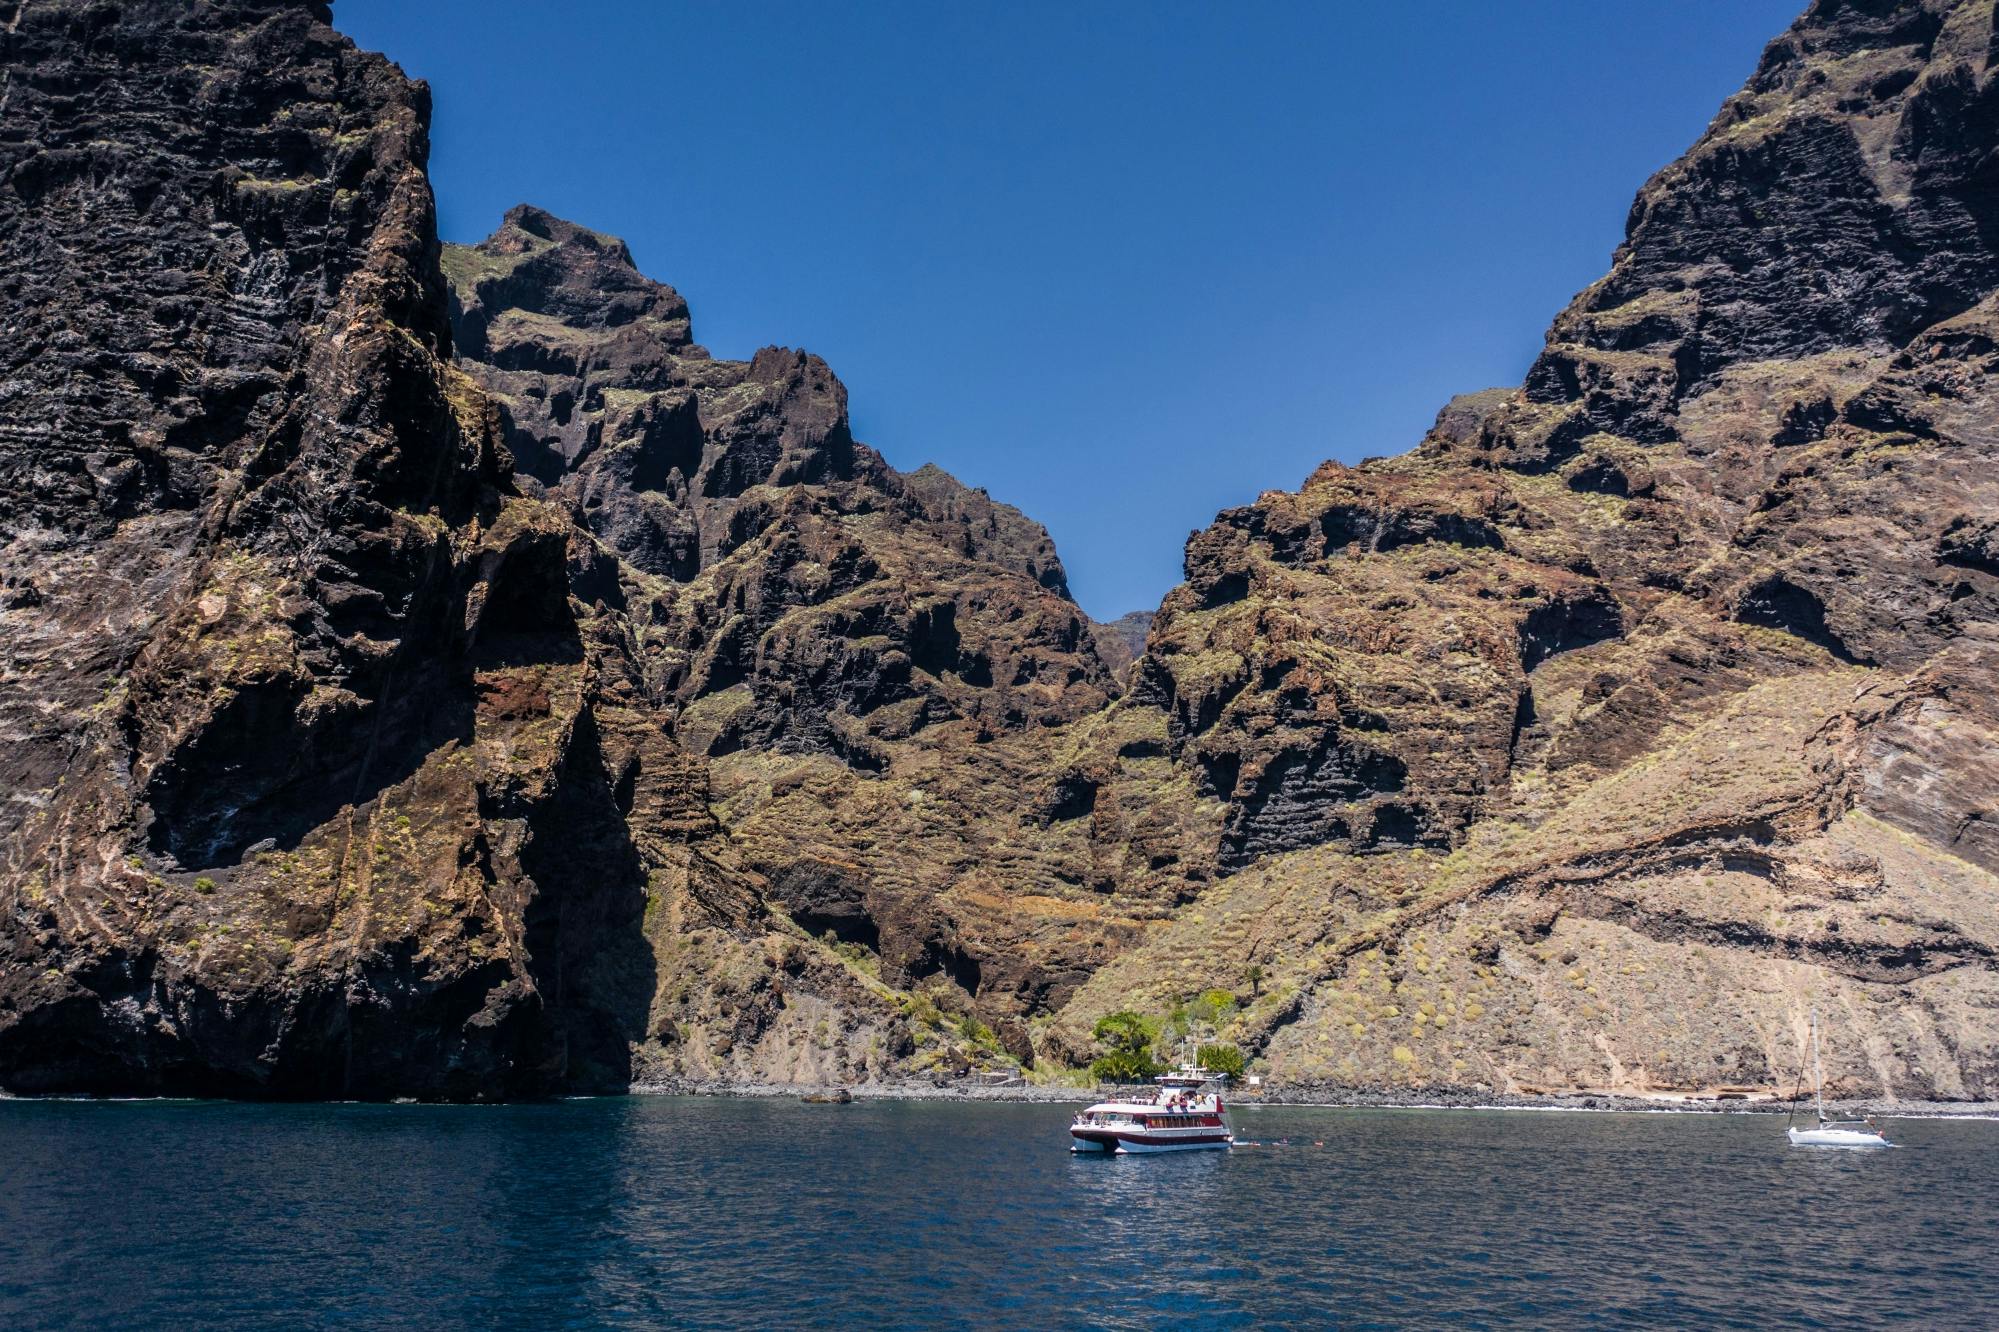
{"points": [[427, 671], [1642, 707], [260, 547]]}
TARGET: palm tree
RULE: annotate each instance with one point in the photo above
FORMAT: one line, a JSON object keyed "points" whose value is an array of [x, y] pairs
{"points": [[1254, 975]]}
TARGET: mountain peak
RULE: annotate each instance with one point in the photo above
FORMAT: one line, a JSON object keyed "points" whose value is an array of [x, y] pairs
{"points": [[544, 225], [546, 271]]}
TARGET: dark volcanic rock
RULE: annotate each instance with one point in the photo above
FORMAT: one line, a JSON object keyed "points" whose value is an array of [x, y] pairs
{"points": [[359, 713], [853, 604], [838, 638], [1781, 378], [347, 759], [270, 542], [1688, 588], [427, 671]]}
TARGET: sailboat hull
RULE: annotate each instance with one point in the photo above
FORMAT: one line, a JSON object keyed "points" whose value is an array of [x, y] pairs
{"points": [[1831, 1132], [1832, 1137]]}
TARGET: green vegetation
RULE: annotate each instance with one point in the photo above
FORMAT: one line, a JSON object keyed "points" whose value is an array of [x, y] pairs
{"points": [[204, 885], [853, 954], [1212, 1008], [923, 1011], [1222, 1059], [1128, 1053]]}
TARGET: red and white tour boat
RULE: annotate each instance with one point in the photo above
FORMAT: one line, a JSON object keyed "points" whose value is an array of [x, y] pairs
{"points": [[1184, 1114]]}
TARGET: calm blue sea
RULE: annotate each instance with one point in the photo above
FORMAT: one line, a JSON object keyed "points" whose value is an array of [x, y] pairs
{"points": [[669, 1212]]}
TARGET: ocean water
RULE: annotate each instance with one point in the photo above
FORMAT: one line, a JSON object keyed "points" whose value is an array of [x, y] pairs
{"points": [[709, 1213]]}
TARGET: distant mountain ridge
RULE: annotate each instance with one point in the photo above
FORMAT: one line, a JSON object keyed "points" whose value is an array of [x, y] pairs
{"points": [[431, 673], [1122, 641]]}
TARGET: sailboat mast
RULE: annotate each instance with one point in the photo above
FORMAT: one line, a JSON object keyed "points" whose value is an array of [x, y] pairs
{"points": [[1818, 1069]]}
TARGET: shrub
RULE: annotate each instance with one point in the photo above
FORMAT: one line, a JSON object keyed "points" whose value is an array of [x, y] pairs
{"points": [[1125, 1030], [1221, 1059], [1212, 1007], [204, 884], [922, 1008], [1128, 1041], [1123, 1066]]}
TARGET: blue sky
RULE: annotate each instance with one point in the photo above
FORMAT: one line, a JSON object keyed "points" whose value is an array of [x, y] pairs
{"points": [[1122, 263]]}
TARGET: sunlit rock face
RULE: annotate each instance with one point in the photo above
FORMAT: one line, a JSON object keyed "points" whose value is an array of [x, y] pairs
{"points": [[370, 705], [429, 672], [1642, 707]]}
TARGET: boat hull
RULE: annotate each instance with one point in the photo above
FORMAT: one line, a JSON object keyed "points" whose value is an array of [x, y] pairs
{"points": [[1835, 1138], [1133, 1144], [1190, 1145]]}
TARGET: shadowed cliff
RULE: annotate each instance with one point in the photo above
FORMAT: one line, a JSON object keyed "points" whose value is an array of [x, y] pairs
{"points": [[430, 672]]}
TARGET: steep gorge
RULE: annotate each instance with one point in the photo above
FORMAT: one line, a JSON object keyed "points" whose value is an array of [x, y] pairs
{"points": [[429, 672]]}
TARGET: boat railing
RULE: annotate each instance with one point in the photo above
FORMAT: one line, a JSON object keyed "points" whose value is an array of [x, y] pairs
{"points": [[1127, 1091]]}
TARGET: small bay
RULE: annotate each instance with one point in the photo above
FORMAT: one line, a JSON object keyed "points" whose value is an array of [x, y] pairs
{"points": [[724, 1213]]}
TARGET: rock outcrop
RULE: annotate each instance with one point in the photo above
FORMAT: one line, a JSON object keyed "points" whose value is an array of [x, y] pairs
{"points": [[263, 556], [543, 710], [428, 671], [1580, 746]]}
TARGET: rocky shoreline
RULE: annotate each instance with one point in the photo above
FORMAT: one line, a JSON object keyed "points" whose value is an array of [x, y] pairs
{"points": [[1344, 1098], [1321, 1097]]}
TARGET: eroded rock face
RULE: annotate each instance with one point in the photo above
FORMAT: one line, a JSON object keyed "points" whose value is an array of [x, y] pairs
{"points": [[267, 831], [222, 276], [429, 672], [878, 673], [826, 602], [368, 726], [1563, 746], [1122, 641]]}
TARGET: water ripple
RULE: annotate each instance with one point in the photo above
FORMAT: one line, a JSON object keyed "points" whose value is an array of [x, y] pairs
{"points": [[755, 1214]]}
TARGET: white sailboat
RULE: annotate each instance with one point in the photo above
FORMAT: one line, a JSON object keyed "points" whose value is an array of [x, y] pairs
{"points": [[1833, 1132]]}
